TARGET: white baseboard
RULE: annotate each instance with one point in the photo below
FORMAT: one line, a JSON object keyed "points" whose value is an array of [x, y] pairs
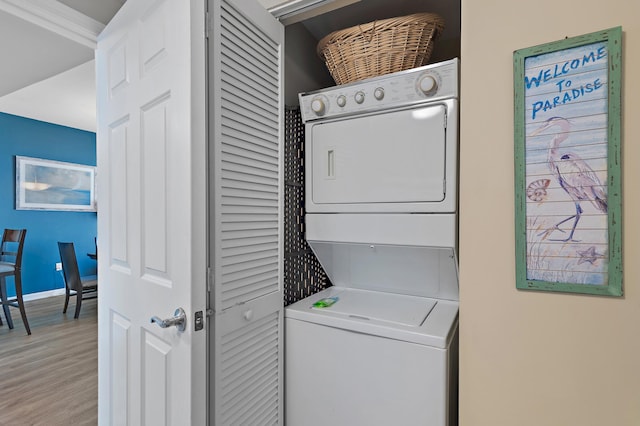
{"points": [[43, 294]]}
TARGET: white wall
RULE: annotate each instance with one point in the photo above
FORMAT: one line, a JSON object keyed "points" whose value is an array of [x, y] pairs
{"points": [[531, 358], [303, 69]]}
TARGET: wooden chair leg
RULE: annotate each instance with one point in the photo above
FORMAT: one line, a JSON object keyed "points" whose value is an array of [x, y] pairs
{"points": [[5, 307], [2, 298], [78, 304], [18, 279], [66, 299]]}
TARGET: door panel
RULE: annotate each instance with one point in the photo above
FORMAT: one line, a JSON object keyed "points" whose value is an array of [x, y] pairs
{"points": [[119, 393], [156, 379], [153, 117], [246, 115], [118, 183], [250, 379], [152, 217]]}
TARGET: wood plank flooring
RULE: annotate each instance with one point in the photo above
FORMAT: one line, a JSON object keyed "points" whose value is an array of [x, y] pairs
{"points": [[51, 377]]}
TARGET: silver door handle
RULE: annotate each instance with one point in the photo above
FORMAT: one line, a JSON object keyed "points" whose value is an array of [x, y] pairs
{"points": [[179, 319]]}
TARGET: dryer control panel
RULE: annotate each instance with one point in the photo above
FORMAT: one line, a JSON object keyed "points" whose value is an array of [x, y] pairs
{"points": [[405, 88]]}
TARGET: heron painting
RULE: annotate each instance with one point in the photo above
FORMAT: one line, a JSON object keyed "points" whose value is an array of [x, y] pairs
{"points": [[567, 171], [573, 175], [567, 200]]}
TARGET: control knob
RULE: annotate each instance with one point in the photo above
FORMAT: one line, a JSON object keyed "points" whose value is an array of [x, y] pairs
{"points": [[378, 93], [317, 106], [341, 101], [359, 97], [428, 84]]}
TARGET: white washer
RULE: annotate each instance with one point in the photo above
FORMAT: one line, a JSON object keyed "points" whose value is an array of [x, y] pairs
{"points": [[381, 202], [372, 358]]}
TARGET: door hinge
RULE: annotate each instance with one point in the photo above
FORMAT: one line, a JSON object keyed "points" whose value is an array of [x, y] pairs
{"points": [[207, 25], [198, 321], [445, 120]]}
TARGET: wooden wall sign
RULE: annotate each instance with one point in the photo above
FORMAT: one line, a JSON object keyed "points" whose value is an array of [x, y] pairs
{"points": [[567, 165]]}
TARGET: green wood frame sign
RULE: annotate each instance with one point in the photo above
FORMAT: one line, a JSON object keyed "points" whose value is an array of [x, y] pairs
{"points": [[567, 165]]}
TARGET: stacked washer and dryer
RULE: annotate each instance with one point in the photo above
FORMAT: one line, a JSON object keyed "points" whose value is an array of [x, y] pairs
{"points": [[379, 347]]}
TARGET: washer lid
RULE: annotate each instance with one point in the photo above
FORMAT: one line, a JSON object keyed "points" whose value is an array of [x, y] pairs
{"points": [[414, 319], [373, 305]]}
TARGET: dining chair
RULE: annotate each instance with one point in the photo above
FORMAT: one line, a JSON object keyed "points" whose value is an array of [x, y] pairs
{"points": [[11, 266], [82, 287]]}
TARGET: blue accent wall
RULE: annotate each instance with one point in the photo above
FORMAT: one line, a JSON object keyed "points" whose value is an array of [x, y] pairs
{"points": [[32, 138]]}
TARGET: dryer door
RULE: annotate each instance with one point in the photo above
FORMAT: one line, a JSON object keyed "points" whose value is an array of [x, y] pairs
{"points": [[369, 161]]}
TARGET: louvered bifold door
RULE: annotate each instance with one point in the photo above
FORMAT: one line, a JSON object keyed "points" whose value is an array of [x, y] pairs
{"points": [[245, 104]]}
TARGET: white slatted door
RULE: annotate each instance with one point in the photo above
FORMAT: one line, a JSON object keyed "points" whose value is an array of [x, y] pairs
{"points": [[152, 213], [246, 56]]}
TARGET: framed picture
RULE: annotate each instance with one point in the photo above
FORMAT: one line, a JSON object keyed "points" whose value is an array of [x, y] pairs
{"points": [[54, 185], [567, 165]]}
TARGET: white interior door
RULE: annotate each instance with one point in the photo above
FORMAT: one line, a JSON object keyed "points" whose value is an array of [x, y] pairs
{"points": [[152, 215], [246, 116]]}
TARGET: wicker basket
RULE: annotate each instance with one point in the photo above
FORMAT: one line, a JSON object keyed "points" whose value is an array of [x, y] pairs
{"points": [[380, 47]]}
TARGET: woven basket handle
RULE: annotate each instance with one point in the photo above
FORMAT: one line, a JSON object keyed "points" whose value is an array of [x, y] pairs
{"points": [[373, 32]]}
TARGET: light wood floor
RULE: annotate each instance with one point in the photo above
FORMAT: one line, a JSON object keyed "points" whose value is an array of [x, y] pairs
{"points": [[51, 377]]}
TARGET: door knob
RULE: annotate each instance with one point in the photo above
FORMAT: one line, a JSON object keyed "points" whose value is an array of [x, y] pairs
{"points": [[179, 319], [248, 315]]}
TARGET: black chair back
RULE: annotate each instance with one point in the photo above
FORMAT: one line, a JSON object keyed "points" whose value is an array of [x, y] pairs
{"points": [[70, 266], [11, 265], [12, 246]]}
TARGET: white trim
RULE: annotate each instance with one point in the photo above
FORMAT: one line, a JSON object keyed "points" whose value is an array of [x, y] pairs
{"points": [[43, 294], [290, 12], [294, 6], [56, 17]]}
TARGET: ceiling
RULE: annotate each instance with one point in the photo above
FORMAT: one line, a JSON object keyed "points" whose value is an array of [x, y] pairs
{"points": [[48, 71], [48, 46]]}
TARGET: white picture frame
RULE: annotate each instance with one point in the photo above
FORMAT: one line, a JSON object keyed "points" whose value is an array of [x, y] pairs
{"points": [[54, 185]]}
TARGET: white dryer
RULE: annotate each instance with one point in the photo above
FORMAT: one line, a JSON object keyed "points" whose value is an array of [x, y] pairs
{"points": [[380, 346]]}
